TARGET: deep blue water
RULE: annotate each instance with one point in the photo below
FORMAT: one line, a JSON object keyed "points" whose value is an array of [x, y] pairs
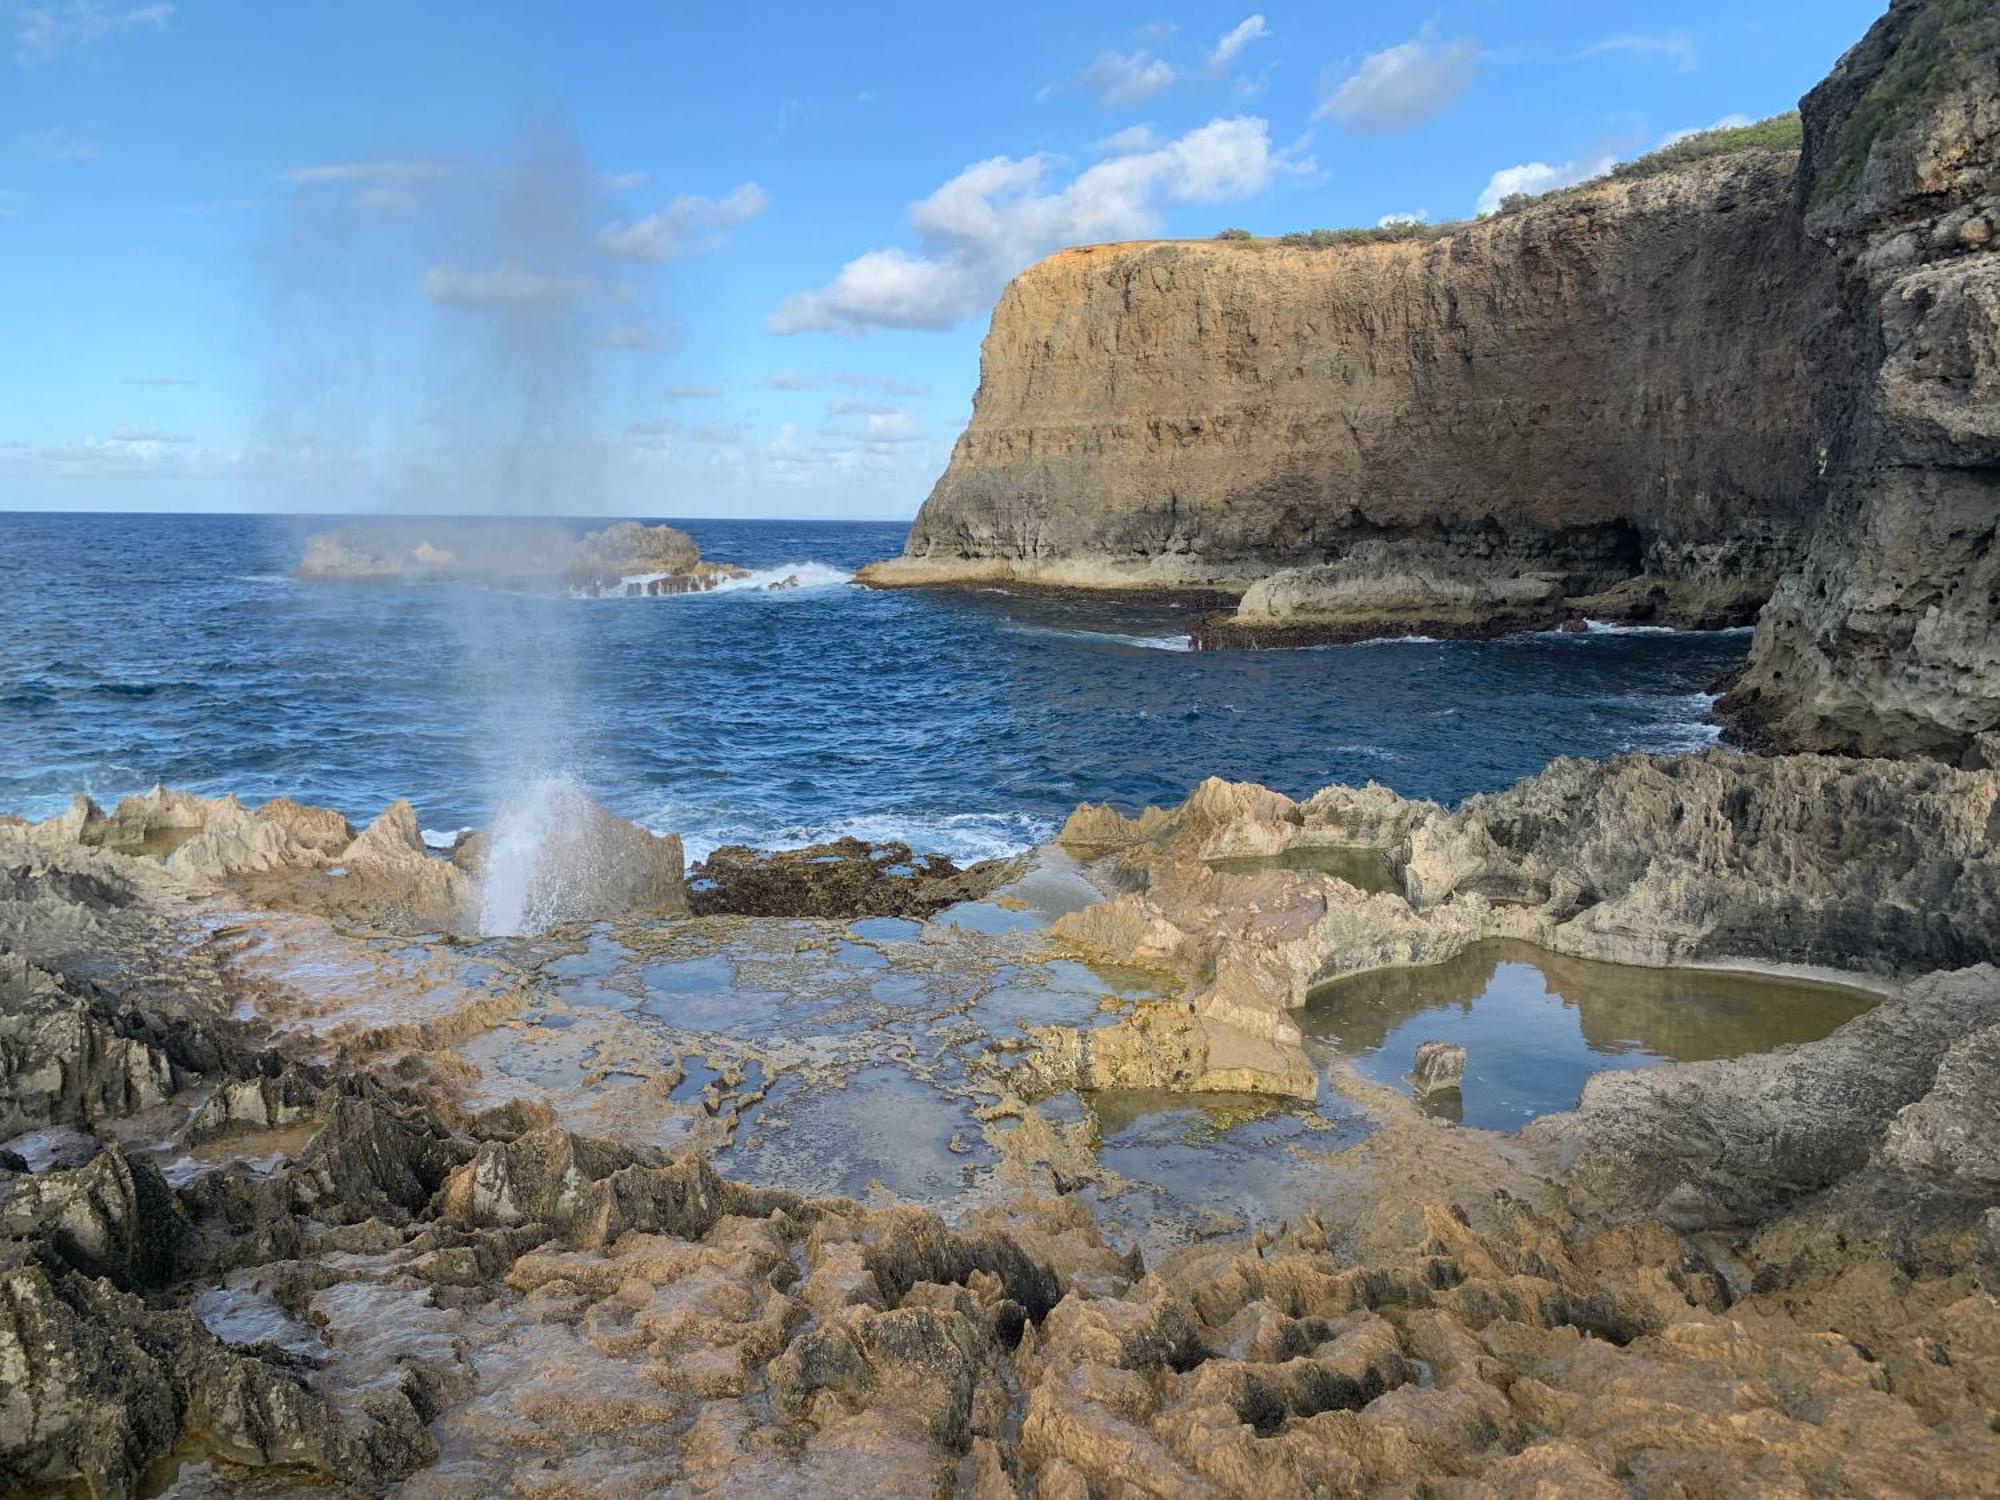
{"points": [[175, 648]]}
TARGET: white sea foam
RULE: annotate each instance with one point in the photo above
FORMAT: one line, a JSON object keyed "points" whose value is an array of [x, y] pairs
{"points": [[522, 888], [1104, 637], [445, 838], [961, 837], [786, 578]]}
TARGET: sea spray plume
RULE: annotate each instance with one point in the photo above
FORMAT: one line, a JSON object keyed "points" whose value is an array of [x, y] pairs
{"points": [[435, 347], [555, 855]]}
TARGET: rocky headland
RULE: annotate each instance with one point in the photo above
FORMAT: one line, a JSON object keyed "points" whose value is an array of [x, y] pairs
{"points": [[626, 559], [1665, 397]]}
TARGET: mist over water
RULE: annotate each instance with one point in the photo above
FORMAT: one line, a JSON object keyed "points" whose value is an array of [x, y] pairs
{"points": [[451, 365]]}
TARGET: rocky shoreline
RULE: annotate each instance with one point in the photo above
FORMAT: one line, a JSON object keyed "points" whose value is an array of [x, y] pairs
{"points": [[291, 1217], [627, 559]]}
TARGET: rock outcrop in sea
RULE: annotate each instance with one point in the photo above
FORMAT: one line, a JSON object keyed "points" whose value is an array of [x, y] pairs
{"points": [[1656, 398], [627, 558]]}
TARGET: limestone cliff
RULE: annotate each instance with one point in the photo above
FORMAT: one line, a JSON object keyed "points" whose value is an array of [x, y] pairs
{"points": [[1633, 400], [1599, 386], [1887, 638]]}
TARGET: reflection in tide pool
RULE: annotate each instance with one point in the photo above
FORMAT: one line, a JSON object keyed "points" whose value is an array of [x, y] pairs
{"points": [[1535, 1025]]}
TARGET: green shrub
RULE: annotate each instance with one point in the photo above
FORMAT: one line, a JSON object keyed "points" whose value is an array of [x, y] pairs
{"points": [[1234, 234], [1779, 133]]}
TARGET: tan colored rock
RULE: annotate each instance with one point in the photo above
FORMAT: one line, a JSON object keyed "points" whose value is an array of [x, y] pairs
{"points": [[1206, 414]]}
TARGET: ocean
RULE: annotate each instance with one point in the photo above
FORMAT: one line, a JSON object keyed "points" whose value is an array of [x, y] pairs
{"points": [[143, 648]]}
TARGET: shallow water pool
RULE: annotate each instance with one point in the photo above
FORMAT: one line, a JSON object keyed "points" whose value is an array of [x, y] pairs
{"points": [[1535, 1025]]}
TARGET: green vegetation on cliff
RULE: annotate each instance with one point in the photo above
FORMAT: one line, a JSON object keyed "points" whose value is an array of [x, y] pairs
{"points": [[1784, 132]]}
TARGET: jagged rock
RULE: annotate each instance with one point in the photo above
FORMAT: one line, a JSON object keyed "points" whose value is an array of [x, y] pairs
{"points": [[844, 879], [585, 1191], [389, 869], [113, 1217], [1439, 1066], [1883, 640], [62, 1062]]}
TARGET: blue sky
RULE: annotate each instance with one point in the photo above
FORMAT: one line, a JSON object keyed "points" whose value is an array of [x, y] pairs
{"points": [[706, 260]]}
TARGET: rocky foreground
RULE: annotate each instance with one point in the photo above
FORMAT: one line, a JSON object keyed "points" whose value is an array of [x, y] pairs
{"points": [[268, 1236]]}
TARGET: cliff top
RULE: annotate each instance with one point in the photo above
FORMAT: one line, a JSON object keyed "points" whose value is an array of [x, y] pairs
{"points": [[1664, 174]]}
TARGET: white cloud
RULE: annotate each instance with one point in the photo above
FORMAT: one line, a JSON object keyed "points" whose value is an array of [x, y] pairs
{"points": [[623, 182], [146, 435], [998, 215], [1727, 122], [507, 287], [1539, 177], [1403, 87], [1131, 138], [889, 385], [688, 225], [1403, 221], [12, 204], [1676, 49], [394, 174], [43, 31], [1233, 41], [57, 143], [692, 393], [848, 406], [1120, 80], [791, 380], [894, 427]]}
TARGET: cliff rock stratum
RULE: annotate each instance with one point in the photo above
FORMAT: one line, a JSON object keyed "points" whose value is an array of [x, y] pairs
{"points": [[1761, 381]]}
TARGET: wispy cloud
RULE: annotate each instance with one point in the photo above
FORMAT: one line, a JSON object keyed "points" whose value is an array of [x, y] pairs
{"points": [[687, 225], [1405, 86], [693, 393], [12, 204], [159, 380], [791, 380], [998, 215], [1674, 49], [147, 435], [1121, 80], [888, 385], [1229, 46], [393, 173], [44, 31], [1727, 122]]}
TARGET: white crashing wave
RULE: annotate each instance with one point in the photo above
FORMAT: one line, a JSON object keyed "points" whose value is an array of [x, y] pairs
{"points": [[443, 838], [1104, 637], [786, 578], [961, 837]]}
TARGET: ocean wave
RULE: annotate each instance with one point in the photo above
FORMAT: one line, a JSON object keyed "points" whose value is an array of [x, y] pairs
{"points": [[1103, 637], [961, 837], [439, 838], [786, 578], [270, 578]]}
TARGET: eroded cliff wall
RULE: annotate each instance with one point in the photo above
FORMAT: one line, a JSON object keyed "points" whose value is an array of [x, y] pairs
{"points": [[1601, 384], [1886, 639]]}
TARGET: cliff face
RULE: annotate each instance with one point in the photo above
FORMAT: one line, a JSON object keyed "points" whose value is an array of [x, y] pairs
{"points": [[1886, 639], [1647, 399], [1602, 385]]}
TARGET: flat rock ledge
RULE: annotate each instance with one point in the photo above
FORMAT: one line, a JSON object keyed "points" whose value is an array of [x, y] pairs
{"points": [[628, 559]]}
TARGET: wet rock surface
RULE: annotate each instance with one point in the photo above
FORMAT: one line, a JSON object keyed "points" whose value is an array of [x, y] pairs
{"points": [[313, 1211], [844, 878], [628, 558]]}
